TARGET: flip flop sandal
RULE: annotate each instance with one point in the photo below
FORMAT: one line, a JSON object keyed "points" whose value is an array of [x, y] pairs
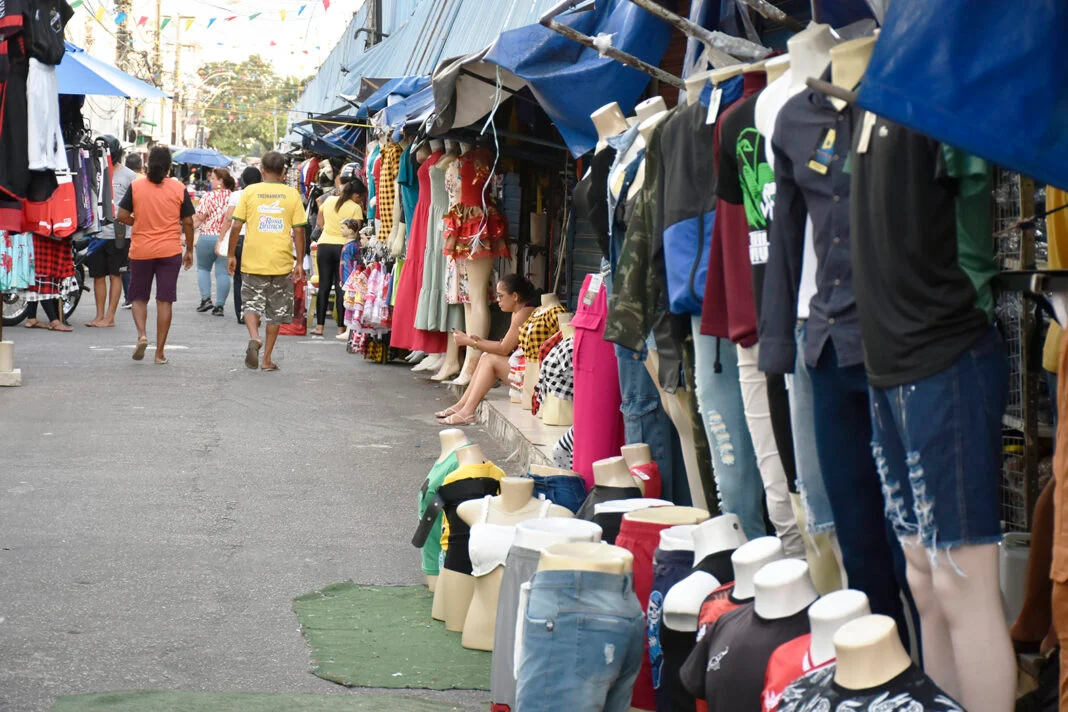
{"points": [[139, 350], [35, 325], [273, 367], [445, 413], [457, 419], [162, 362], [252, 354]]}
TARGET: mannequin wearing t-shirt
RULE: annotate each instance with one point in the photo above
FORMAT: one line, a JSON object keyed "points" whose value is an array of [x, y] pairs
{"points": [[719, 535], [803, 654], [951, 554], [532, 368], [455, 588], [750, 558], [514, 504], [611, 481], [557, 411], [451, 439]]}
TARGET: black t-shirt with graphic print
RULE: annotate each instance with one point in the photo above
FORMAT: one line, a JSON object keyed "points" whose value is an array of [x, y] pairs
{"points": [[911, 691], [728, 672]]}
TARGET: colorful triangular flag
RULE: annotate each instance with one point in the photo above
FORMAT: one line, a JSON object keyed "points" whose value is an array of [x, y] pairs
{"points": [[142, 20], [273, 43], [283, 14], [164, 23], [76, 4], [231, 18], [188, 24], [211, 21], [120, 18], [301, 10], [99, 14], [326, 4]]}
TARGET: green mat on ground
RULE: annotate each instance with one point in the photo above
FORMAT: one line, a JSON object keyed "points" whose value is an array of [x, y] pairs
{"points": [[383, 636], [180, 701]]}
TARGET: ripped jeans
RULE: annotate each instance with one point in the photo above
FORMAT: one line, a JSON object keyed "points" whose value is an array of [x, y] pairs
{"points": [[937, 448], [719, 397]]}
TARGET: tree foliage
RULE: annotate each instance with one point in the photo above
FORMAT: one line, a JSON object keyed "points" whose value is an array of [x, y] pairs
{"points": [[242, 102]]}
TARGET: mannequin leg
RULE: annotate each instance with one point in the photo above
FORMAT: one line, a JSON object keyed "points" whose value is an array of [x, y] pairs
{"points": [[1035, 617], [938, 652], [476, 312], [429, 363], [971, 604], [679, 419], [450, 366]]}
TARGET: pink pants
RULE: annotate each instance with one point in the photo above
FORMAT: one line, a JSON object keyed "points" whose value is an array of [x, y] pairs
{"points": [[598, 421]]}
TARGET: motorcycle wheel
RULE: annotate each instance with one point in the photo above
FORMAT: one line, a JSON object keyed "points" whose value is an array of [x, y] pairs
{"points": [[14, 305], [70, 302]]}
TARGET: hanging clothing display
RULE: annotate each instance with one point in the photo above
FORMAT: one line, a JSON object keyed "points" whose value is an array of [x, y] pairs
{"points": [[435, 312], [406, 333], [474, 228], [16, 261], [386, 192], [53, 267], [371, 180], [538, 327]]}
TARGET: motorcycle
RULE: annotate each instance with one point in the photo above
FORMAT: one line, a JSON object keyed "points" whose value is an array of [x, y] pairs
{"points": [[15, 306]]}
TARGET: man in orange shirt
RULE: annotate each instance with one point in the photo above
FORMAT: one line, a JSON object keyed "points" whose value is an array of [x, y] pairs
{"points": [[159, 210]]}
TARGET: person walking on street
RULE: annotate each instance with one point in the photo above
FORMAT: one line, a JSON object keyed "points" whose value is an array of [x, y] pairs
{"points": [[334, 211], [249, 176], [274, 220], [209, 219], [159, 210], [133, 162], [109, 262]]}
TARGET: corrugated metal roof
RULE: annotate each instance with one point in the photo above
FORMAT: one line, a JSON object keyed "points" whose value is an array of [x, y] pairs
{"points": [[434, 30]]}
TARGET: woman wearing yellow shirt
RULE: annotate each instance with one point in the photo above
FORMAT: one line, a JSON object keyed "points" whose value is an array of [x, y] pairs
{"points": [[335, 210]]}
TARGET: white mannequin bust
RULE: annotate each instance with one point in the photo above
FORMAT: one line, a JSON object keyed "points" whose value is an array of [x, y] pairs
{"points": [[810, 53], [776, 67], [629, 505], [470, 454], [783, 588], [635, 455], [452, 148], [869, 653], [565, 325], [682, 604], [649, 108], [830, 613], [671, 516], [451, 439], [549, 471], [436, 144], [537, 534], [750, 558], [549, 299], [609, 121], [678, 538], [849, 61]]}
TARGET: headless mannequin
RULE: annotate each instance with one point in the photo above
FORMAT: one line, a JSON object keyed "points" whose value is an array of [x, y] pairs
{"points": [[635, 455], [432, 361], [682, 604], [547, 471], [557, 411], [750, 558], [828, 615], [453, 593], [476, 311], [612, 472], [809, 54], [678, 538], [450, 364], [451, 439], [869, 653], [514, 504], [782, 589], [672, 516], [776, 67], [533, 366], [609, 121], [966, 646]]}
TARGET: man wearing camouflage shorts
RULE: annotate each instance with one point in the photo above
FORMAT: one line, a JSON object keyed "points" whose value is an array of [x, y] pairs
{"points": [[274, 220]]}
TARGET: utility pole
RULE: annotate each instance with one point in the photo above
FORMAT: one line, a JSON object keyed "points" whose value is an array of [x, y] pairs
{"points": [[177, 110], [157, 64], [123, 42]]}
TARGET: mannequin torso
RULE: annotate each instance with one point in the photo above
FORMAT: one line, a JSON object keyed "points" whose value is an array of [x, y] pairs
{"points": [[682, 605], [671, 516], [609, 121], [750, 558], [849, 61], [451, 439], [827, 615], [584, 556], [782, 589], [809, 54], [869, 653], [612, 472]]}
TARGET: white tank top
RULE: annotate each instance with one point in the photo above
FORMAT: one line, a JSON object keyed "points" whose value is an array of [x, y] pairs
{"points": [[489, 543]]}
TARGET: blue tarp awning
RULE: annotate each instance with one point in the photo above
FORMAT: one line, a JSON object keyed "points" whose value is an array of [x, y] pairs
{"points": [[81, 73], [571, 81], [987, 77], [413, 109], [344, 139], [400, 87]]}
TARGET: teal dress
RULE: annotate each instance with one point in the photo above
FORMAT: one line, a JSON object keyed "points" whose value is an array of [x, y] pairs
{"points": [[432, 547]]}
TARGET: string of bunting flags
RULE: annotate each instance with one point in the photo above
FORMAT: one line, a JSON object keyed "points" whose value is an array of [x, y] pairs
{"points": [[123, 17]]}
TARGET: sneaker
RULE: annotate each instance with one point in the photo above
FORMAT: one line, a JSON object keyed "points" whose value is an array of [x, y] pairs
{"points": [[217, 311], [205, 305], [126, 305]]}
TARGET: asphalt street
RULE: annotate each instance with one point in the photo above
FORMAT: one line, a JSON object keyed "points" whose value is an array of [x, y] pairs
{"points": [[157, 521]]}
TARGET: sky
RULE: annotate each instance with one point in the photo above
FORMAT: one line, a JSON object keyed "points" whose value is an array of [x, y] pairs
{"points": [[295, 46]]}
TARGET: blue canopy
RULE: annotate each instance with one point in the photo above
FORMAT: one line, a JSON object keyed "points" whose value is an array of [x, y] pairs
{"points": [[401, 86], [413, 109], [310, 141], [987, 77], [571, 81], [344, 139], [202, 157], [80, 73]]}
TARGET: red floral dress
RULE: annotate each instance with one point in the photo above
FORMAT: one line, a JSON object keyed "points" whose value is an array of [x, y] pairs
{"points": [[472, 232]]}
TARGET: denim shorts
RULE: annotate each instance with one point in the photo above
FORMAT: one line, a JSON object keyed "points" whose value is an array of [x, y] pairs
{"points": [[583, 633], [566, 490], [937, 447]]}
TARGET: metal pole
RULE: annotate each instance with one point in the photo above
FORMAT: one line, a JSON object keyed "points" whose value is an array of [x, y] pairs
{"points": [[722, 48], [771, 12], [613, 53]]}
